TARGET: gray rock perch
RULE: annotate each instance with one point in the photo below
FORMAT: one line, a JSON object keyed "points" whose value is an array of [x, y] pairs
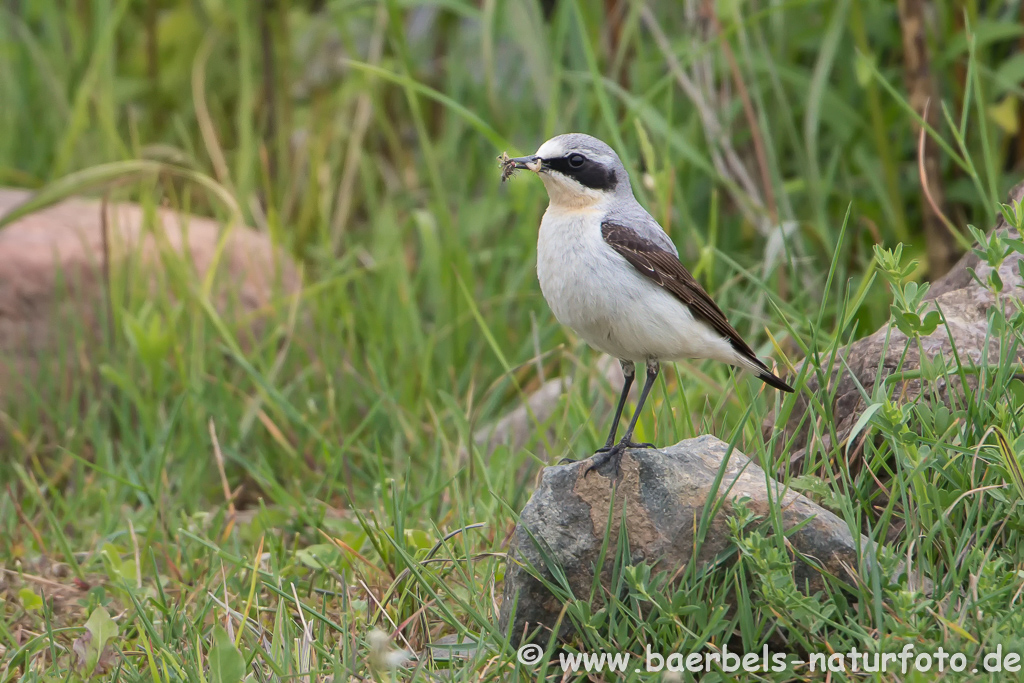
{"points": [[664, 492]]}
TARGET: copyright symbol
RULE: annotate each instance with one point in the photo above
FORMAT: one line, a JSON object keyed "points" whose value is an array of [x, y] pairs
{"points": [[529, 654]]}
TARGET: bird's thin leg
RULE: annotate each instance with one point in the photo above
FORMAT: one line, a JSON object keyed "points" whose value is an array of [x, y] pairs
{"points": [[653, 368], [628, 373], [615, 452]]}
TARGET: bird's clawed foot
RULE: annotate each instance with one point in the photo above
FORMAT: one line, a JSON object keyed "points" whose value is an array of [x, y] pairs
{"points": [[607, 454], [568, 461], [613, 454], [623, 444]]}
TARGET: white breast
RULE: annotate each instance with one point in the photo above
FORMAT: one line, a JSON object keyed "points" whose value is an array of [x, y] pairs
{"points": [[611, 306]]}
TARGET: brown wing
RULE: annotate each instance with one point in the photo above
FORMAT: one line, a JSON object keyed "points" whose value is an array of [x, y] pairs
{"points": [[664, 268]]}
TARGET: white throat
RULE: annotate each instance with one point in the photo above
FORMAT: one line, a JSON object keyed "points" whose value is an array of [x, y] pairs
{"points": [[566, 193]]}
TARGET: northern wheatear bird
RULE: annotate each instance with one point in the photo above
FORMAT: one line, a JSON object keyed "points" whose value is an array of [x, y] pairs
{"points": [[609, 271]]}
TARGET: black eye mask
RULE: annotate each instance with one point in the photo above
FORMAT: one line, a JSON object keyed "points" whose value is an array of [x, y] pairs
{"points": [[591, 174]]}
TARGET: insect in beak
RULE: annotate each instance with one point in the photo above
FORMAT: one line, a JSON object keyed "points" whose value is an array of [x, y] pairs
{"points": [[509, 165]]}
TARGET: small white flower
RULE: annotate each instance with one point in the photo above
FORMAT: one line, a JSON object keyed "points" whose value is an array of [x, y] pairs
{"points": [[382, 655]]}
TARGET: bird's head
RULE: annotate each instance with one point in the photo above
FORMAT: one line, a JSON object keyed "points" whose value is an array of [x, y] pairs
{"points": [[578, 170]]}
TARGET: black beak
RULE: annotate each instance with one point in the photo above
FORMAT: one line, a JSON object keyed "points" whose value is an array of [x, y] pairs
{"points": [[531, 163]]}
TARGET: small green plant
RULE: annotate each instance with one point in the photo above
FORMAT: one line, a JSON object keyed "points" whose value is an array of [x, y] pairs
{"points": [[909, 303]]}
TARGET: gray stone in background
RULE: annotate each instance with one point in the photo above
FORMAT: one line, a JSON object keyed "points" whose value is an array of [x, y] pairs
{"points": [[51, 275], [964, 305], [517, 428], [664, 492]]}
